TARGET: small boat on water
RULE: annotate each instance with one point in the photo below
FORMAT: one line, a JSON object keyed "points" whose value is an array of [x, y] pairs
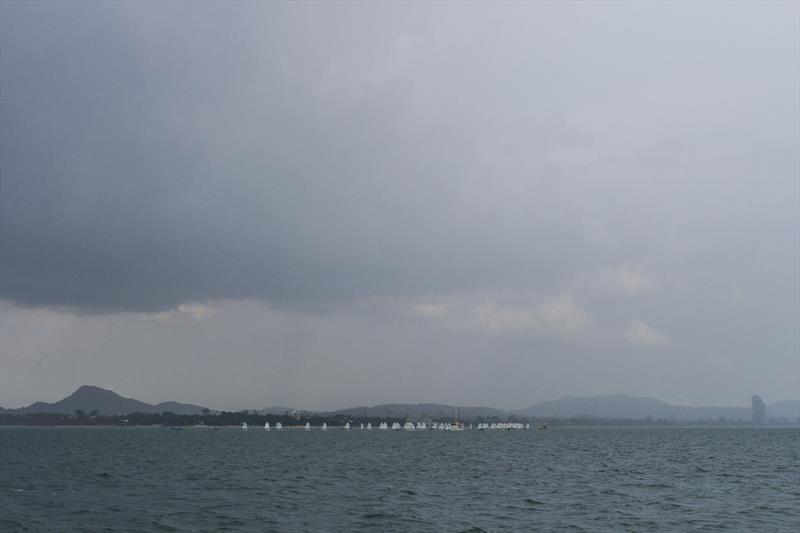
{"points": [[395, 426], [362, 425], [408, 426], [383, 426], [456, 425], [347, 426], [308, 427], [244, 426], [324, 426], [421, 425], [278, 425], [369, 426], [266, 426], [176, 428]]}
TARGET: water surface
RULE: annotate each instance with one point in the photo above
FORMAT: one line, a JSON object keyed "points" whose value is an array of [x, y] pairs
{"points": [[609, 479]]}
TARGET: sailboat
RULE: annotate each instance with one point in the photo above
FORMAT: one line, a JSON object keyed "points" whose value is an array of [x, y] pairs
{"points": [[456, 425], [244, 426], [369, 426], [324, 426], [266, 426], [362, 425], [308, 426], [278, 425], [347, 426]]}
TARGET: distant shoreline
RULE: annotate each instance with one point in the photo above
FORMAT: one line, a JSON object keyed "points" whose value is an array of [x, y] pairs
{"points": [[555, 427]]}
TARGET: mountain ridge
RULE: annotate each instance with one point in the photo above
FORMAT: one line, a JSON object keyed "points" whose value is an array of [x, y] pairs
{"points": [[638, 407], [421, 411], [107, 402], [88, 398]]}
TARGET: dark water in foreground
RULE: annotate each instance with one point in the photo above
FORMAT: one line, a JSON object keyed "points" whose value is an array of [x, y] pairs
{"points": [[634, 479]]}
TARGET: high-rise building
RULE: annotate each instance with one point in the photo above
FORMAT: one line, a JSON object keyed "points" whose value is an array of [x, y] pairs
{"points": [[759, 410]]}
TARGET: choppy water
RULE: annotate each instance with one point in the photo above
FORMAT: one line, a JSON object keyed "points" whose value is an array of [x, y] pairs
{"points": [[636, 479]]}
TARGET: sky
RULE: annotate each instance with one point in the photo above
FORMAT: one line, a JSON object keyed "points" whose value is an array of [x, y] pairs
{"points": [[325, 205]]}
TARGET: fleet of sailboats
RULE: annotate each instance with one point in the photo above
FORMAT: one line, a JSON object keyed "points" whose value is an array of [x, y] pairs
{"points": [[419, 426]]}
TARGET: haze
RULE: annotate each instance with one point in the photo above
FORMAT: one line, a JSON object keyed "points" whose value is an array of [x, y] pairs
{"points": [[331, 204]]}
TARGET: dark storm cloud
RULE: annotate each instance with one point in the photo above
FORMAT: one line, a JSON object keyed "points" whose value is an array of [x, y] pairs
{"points": [[314, 154], [158, 155]]}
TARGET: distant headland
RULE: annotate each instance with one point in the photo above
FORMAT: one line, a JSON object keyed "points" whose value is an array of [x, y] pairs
{"points": [[97, 406]]}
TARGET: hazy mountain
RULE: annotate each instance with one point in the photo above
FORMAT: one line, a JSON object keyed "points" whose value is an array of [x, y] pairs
{"points": [[89, 398], [107, 402], [275, 410], [624, 406], [789, 409], [421, 411], [179, 408]]}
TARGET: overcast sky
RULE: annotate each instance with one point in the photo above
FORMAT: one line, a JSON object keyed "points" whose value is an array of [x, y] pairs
{"points": [[328, 204]]}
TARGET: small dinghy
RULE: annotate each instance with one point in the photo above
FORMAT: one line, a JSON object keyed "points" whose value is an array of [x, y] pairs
{"points": [[266, 426], [244, 426], [347, 426], [308, 426], [278, 425], [324, 426]]}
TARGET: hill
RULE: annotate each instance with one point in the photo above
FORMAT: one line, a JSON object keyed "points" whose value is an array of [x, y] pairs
{"points": [[624, 406], [421, 411], [789, 409], [275, 410], [88, 398]]}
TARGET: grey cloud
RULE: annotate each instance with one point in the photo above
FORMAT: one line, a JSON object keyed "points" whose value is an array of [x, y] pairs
{"points": [[312, 155]]}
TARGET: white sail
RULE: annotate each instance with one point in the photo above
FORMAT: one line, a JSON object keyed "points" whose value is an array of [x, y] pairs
{"points": [[369, 426], [244, 426], [362, 425], [266, 426], [308, 426], [408, 426], [278, 425], [347, 426], [324, 426]]}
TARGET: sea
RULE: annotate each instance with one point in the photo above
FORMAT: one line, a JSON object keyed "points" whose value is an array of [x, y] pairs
{"points": [[560, 479]]}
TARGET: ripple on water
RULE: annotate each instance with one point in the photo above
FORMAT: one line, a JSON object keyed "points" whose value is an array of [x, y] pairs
{"points": [[565, 479]]}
